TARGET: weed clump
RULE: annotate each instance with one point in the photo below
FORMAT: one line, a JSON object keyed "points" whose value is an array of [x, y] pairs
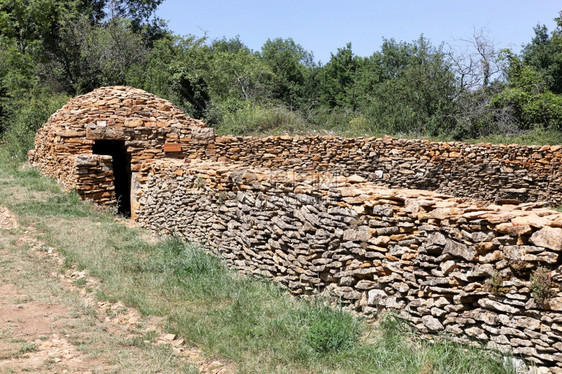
{"points": [[542, 286], [495, 285], [331, 329]]}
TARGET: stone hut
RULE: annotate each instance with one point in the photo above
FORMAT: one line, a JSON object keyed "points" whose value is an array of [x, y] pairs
{"points": [[97, 142]]}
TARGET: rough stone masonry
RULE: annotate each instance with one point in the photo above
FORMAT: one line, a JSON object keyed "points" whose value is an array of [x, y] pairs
{"points": [[457, 254]]}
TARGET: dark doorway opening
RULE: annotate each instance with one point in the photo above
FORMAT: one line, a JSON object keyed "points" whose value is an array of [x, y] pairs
{"points": [[121, 171]]}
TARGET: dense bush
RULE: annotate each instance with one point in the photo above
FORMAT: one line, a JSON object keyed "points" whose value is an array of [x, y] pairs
{"points": [[24, 117], [331, 329], [257, 119]]}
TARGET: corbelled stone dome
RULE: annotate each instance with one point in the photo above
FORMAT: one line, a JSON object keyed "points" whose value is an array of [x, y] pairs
{"points": [[116, 112], [118, 105]]}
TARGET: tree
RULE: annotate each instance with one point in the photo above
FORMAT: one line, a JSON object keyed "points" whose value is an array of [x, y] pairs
{"points": [[290, 64], [93, 9], [87, 57], [177, 68], [415, 90], [528, 96], [476, 64], [337, 80], [139, 12], [238, 73], [544, 54], [478, 69], [232, 45], [30, 22], [17, 70]]}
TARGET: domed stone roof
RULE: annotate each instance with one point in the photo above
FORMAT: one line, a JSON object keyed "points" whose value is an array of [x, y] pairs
{"points": [[94, 114], [118, 106]]}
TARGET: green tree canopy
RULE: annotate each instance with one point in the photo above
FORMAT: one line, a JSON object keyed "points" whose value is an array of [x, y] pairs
{"points": [[529, 96], [413, 88], [544, 54], [338, 78], [290, 64], [28, 23]]}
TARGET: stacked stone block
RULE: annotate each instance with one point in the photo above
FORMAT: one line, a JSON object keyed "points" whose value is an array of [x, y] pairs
{"points": [[502, 173]]}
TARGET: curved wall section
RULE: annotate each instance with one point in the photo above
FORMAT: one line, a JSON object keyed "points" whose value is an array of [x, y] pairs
{"points": [[500, 173]]}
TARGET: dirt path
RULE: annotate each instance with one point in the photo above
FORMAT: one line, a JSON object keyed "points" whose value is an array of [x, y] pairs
{"points": [[51, 321]]}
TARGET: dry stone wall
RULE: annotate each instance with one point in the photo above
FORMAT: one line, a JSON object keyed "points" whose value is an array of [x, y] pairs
{"points": [[94, 178], [501, 173], [153, 128], [446, 264]]}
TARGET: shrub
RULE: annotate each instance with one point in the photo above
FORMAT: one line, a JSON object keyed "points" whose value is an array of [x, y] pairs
{"points": [[25, 116], [495, 285], [537, 135], [331, 329], [532, 108], [256, 119], [330, 119], [542, 286]]}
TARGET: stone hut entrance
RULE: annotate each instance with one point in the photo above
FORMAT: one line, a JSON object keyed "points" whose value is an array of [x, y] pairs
{"points": [[121, 171]]}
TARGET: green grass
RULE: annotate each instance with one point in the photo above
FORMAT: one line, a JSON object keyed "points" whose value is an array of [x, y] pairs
{"points": [[536, 136], [331, 329], [250, 322], [259, 120]]}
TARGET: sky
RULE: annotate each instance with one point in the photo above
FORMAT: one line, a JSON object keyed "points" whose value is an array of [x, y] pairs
{"points": [[323, 26]]}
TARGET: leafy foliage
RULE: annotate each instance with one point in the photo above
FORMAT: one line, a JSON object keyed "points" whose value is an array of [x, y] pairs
{"points": [[331, 329], [337, 80], [495, 285], [255, 119], [542, 286], [172, 69], [544, 55], [25, 115], [416, 91], [60, 48], [528, 96], [30, 23], [291, 67], [88, 57]]}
